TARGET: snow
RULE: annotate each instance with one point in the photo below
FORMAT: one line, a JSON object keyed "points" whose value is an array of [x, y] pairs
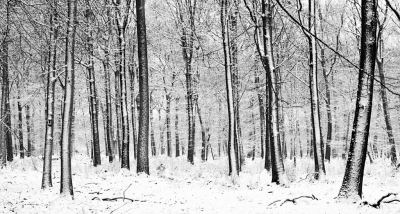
{"points": [[175, 186]]}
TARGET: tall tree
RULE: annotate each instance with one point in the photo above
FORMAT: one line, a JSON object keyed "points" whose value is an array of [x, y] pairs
{"points": [[186, 11], [51, 80], [278, 171], [318, 144], [143, 137], [353, 177], [386, 113], [28, 130], [20, 130], [6, 139], [122, 23], [232, 153], [91, 78], [66, 187], [233, 37]]}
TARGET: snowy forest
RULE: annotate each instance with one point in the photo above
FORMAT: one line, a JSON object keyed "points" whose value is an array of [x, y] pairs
{"points": [[199, 106]]}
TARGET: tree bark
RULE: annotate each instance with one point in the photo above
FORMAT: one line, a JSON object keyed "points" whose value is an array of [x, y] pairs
{"points": [[388, 123], [6, 138], [187, 38], [318, 144], [177, 127], [278, 171], [66, 187], [232, 154], [353, 178], [28, 130], [93, 100], [168, 121], [143, 138], [20, 130]]}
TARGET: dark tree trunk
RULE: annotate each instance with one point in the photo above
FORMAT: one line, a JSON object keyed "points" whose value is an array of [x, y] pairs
{"points": [[93, 100], [6, 138], [318, 144], [353, 178], [168, 121], [28, 130], [232, 154], [278, 171], [388, 123], [233, 34], [143, 138], [177, 127], [187, 38], [20, 131], [66, 187]]}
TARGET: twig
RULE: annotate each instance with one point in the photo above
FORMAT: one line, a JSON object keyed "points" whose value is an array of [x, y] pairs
{"points": [[126, 189], [273, 202]]}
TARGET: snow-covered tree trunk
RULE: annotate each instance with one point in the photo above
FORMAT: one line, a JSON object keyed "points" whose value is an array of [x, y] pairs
{"points": [[143, 137], [353, 178]]}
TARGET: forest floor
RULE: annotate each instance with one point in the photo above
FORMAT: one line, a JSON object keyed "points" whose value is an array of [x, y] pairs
{"points": [[178, 187]]}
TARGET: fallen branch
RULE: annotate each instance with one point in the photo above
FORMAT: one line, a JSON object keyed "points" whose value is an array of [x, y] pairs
{"points": [[293, 200], [378, 203], [114, 199], [303, 196], [390, 201]]}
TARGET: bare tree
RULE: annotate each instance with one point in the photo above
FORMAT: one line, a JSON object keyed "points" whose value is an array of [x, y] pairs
{"points": [[353, 178]]}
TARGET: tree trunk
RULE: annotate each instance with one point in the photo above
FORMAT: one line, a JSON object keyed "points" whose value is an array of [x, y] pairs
{"points": [[20, 130], [168, 115], [66, 187], [278, 171], [6, 138], [318, 144], [233, 35], [143, 138], [353, 178], [232, 154], [28, 130], [177, 127], [133, 109], [388, 123], [203, 134], [187, 38], [93, 100], [153, 141]]}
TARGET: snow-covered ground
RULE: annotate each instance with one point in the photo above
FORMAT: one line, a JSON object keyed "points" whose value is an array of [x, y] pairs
{"points": [[175, 186]]}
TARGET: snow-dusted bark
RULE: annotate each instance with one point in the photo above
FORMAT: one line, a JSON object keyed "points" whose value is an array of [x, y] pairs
{"points": [[353, 177], [177, 144], [91, 78], [49, 133], [388, 123], [278, 171], [232, 154], [318, 145], [66, 187], [143, 137]]}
